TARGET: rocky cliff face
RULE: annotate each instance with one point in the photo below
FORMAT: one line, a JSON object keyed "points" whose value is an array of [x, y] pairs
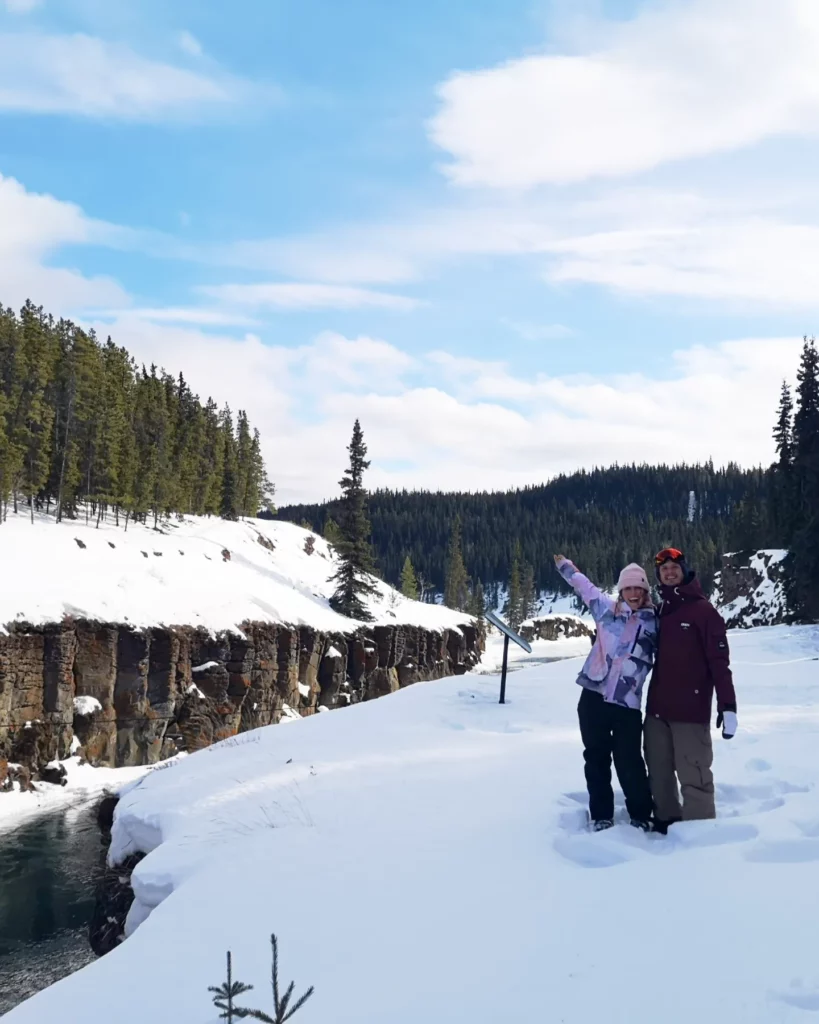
{"points": [[750, 589], [119, 696], [555, 627]]}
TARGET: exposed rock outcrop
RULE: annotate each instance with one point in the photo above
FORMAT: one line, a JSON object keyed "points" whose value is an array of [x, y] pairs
{"points": [[114, 894], [749, 590], [555, 627], [145, 695]]}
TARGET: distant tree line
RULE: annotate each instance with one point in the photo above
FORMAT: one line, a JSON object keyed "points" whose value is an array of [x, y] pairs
{"points": [[83, 426], [603, 518]]}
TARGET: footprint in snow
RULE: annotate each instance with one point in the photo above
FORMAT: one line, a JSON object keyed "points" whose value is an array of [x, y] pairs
{"points": [[785, 851], [735, 801], [586, 854]]}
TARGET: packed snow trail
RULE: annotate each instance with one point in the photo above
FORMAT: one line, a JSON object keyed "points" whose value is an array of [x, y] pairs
{"points": [[423, 858]]}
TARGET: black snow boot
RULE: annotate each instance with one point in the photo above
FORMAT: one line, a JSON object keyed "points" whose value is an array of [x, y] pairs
{"points": [[663, 826], [645, 826], [602, 824]]}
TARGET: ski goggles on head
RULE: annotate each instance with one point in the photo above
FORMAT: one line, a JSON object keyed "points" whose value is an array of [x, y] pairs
{"points": [[669, 555]]}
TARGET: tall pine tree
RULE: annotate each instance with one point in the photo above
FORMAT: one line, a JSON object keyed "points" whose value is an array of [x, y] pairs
{"points": [[527, 592], [804, 549], [456, 585], [477, 602], [356, 564], [409, 584], [514, 600], [782, 481]]}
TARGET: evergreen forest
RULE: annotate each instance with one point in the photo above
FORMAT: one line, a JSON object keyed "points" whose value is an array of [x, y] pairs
{"points": [[85, 430]]}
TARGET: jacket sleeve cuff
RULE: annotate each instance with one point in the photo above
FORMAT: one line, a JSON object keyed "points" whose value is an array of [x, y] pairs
{"points": [[727, 707]]}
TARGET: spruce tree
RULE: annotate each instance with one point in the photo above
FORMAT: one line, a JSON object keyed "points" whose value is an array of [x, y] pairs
{"points": [[782, 482], [229, 503], [409, 584], [332, 534], [514, 600], [527, 595], [456, 586], [477, 603], [803, 564], [353, 578]]}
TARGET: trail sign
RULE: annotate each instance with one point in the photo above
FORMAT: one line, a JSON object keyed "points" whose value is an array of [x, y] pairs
{"points": [[508, 634]]}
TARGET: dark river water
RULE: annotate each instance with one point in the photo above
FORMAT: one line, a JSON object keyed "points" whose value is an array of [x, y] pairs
{"points": [[48, 867]]}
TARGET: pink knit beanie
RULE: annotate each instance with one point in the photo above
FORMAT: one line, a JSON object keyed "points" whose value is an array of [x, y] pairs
{"points": [[633, 576]]}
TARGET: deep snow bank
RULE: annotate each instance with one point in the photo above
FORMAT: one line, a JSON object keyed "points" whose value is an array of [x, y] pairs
{"points": [[423, 858], [194, 571], [128, 646]]}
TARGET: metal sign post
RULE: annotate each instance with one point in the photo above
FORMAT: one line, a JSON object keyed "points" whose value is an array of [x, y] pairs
{"points": [[508, 634]]}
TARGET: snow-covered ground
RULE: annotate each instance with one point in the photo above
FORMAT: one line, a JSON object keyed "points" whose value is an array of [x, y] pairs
{"points": [[83, 783], [422, 858], [180, 575], [542, 651]]}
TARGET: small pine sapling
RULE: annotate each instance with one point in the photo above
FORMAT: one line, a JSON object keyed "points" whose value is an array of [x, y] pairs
{"points": [[224, 994]]}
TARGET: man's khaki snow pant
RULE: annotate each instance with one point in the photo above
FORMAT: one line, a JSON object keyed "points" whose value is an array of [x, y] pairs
{"points": [[680, 750]]}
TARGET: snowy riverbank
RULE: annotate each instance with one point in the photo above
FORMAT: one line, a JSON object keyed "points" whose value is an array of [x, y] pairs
{"points": [[423, 857], [83, 783]]}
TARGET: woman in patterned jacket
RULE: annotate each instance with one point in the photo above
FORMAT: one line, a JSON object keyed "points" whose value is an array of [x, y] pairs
{"points": [[611, 722]]}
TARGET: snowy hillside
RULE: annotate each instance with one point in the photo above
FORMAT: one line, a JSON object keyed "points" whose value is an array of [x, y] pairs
{"points": [[750, 589], [422, 858], [196, 571]]}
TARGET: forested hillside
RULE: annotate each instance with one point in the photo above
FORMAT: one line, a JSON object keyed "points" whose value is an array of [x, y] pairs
{"points": [[81, 423], [603, 519]]}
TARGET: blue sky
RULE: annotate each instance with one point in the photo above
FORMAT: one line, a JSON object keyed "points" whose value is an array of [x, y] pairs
{"points": [[513, 237]]}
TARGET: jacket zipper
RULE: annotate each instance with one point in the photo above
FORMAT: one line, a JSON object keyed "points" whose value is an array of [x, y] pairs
{"points": [[636, 638]]}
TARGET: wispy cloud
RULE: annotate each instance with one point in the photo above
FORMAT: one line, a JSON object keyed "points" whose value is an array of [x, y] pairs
{"points": [[33, 227], [189, 44], [179, 315], [85, 76], [538, 332], [21, 6], [680, 80], [297, 295]]}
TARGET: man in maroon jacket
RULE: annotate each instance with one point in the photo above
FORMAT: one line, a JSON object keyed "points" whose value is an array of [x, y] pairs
{"points": [[692, 662]]}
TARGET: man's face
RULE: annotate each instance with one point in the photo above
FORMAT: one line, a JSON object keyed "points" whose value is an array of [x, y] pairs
{"points": [[671, 574]]}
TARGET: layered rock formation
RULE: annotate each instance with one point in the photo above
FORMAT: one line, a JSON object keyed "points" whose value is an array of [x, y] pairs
{"points": [[555, 627], [119, 696], [749, 590]]}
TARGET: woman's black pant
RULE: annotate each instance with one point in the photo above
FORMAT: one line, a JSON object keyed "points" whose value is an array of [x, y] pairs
{"points": [[612, 731]]}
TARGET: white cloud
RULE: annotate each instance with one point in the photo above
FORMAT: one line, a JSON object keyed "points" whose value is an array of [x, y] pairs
{"points": [[539, 332], [32, 228], [21, 6], [189, 44], [295, 295], [467, 424], [751, 245], [79, 74], [682, 79], [182, 315], [356, 363]]}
